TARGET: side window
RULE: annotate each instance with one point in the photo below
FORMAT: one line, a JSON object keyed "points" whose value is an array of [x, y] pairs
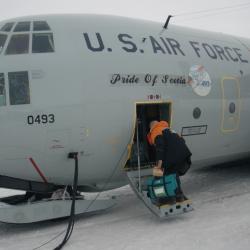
{"points": [[19, 44], [2, 41], [42, 43], [2, 90], [22, 26], [19, 88]]}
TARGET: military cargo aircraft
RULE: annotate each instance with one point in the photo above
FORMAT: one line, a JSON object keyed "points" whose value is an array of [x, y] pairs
{"points": [[91, 84]]}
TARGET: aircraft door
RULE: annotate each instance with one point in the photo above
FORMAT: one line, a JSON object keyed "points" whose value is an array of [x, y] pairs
{"points": [[230, 104], [146, 112]]}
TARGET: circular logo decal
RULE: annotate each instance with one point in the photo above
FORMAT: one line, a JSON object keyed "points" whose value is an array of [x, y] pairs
{"points": [[200, 80]]}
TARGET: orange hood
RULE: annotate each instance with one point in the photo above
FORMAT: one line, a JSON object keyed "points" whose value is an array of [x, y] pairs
{"points": [[156, 130]]}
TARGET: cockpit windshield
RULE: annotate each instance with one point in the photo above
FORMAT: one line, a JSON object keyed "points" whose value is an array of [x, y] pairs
{"points": [[19, 44], [22, 26], [7, 27], [42, 40], [40, 26]]}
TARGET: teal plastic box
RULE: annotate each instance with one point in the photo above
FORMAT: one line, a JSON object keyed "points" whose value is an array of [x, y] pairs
{"points": [[162, 187]]}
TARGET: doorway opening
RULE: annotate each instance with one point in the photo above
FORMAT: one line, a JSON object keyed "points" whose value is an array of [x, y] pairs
{"points": [[145, 113]]}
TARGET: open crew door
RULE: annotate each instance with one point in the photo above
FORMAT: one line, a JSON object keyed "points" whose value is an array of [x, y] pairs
{"points": [[142, 157], [145, 113]]}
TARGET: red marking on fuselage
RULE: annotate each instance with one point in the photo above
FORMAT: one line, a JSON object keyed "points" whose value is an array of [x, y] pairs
{"points": [[38, 170]]}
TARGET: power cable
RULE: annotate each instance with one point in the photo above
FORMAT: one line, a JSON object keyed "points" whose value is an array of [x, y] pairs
{"points": [[51, 240], [96, 197], [71, 224]]}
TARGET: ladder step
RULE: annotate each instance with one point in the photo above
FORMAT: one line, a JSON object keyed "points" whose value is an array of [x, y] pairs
{"points": [[163, 211]]}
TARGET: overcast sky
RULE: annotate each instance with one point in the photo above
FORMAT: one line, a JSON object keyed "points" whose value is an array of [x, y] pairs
{"points": [[234, 21]]}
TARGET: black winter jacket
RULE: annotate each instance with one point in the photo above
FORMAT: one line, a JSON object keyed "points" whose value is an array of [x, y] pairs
{"points": [[172, 150]]}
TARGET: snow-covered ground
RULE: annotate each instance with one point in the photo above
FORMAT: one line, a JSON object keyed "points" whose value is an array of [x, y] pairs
{"points": [[220, 221]]}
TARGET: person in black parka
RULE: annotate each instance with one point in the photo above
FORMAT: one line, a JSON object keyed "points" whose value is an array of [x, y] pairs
{"points": [[172, 154]]}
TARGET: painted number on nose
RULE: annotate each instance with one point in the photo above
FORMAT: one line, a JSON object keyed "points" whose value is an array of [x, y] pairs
{"points": [[40, 119]]}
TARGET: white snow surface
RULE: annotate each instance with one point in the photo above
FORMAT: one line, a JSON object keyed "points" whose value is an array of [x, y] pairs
{"points": [[220, 221]]}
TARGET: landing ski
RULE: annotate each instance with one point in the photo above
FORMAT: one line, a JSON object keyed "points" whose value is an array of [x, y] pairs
{"points": [[30, 212]]}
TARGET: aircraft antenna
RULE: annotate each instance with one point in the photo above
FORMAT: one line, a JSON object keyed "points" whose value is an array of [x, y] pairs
{"points": [[167, 22], [165, 26]]}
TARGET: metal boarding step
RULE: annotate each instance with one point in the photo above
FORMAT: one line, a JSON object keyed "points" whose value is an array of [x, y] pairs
{"points": [[138, 182]]}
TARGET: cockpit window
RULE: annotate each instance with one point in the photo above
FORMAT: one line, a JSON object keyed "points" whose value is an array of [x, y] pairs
{"points": [[19, 44], [42, 43], [19, 88], [7, 27], [2, 41], [22, 26], [40, 26], [42, 38], [2, 90]]}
